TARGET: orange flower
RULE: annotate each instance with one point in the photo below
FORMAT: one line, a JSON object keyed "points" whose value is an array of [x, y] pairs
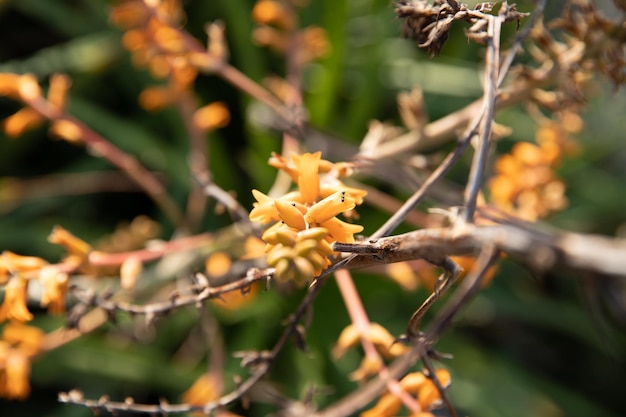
{"points": [[280, 162], [55, 284], [340, 231], [28, 87], [428, 395], [380, 337], [299, 246], [264, 210], [218, 264], [19, 263], [416, 383], [387, 406], [292, 214], [270, 12], [206, 388], [314, 44], [21, 121], [8, 85], [28, 339], [72, 244], [66, 130], [14, 378], [308, 176], [331, 186], [369, 366], [212, 116], [129, 14], [329, 207], [57, 93], [253, 248], [14, 305], [130, 270]]}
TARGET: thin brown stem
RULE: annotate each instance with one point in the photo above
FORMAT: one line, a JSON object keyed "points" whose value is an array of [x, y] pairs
{"points": [[359, 318], [101, 147], [479, 163]]}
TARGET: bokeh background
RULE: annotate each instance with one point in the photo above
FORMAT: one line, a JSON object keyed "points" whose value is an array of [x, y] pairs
{"points": [[546, 346]]}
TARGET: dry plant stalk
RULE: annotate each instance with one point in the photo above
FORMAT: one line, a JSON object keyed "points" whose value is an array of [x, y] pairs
{"points": [[307, 242]]}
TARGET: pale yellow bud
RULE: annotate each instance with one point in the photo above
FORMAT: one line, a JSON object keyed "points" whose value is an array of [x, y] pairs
{"points": [[66, 130], [28, 87], [348, 338], [129, 271], [279, 253], [289, 213], [329, 207]]}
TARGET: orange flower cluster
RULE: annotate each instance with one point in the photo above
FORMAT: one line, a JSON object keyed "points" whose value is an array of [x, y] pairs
{"points": [[17, 345], [277, 20], [219, 263], [382, 340], [524, 183], [26, 88], [16, 271], [298, 245], [417, 384], [156, 42]]}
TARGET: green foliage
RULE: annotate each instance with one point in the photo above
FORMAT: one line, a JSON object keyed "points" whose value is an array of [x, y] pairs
{"points": [[541, 346]]}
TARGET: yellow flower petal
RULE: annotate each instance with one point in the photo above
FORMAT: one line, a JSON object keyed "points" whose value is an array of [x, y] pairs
{"points": [[14, 305], [341, 231], [130, 270], [17, 373], [329, 207], [289, 213], [309, 177], [413, 382], [264, 210], [19, 263], [212, 116], [24, 119], [57, 93], [348, 338], [387, 405], [428, 394], [55, 284], [328, 188], [71, 243], [278, 161], [27, 338], [203, 390]]}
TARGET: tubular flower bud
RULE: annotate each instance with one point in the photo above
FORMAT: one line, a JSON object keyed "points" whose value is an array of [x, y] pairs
{"points": [[71, 243], [341, 231], [428, 394], [19, 263], [55, 284], [287, 235], [329, 207], [14, 305], [279, 252], [289, 213], [309, 178], [270, 236], [331, 187], [348, 338], [387, 405], [264, 210]]}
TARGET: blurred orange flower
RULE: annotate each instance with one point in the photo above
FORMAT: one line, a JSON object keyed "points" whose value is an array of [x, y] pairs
{"points": [[14, 305]]}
